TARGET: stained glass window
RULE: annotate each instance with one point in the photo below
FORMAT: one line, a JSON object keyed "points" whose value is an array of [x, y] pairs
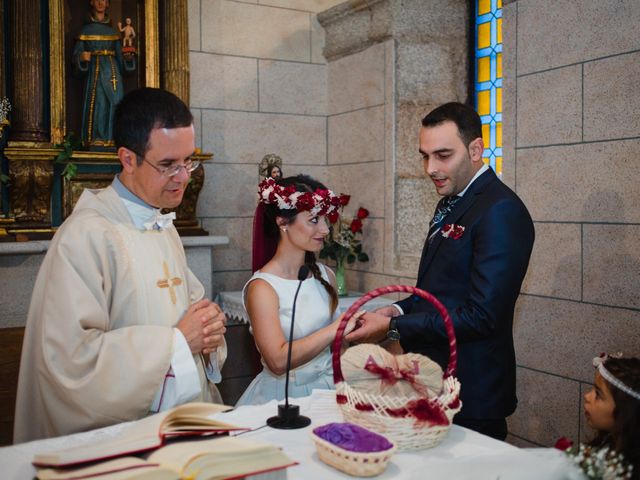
{"points": [[488, 78]]}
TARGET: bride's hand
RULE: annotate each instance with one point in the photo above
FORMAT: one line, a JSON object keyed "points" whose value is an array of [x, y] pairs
{"points": [[352, 324]]}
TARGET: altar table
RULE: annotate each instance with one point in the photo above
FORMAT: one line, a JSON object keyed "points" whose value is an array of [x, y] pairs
{"points": [[463, 454]]}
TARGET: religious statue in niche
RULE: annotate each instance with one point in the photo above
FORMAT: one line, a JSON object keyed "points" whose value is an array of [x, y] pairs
{"points": [[128, 34], [99, 57], [271, 166]]}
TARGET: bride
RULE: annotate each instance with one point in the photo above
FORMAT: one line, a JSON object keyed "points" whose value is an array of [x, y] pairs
{"points": [[290, 225]]}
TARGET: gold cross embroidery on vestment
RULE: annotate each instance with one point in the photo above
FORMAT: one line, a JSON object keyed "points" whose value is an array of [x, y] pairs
{"points": [[169, 282]]}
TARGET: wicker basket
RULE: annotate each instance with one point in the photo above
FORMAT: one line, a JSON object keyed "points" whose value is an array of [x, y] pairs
{"points": [[400, 419], [358, 464]]}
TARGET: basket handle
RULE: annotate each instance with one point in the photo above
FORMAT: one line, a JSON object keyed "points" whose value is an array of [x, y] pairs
{"points": [[448, 324]]}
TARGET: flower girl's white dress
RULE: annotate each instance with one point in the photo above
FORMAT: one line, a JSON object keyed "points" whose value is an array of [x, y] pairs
{"points": [[312, 313]]}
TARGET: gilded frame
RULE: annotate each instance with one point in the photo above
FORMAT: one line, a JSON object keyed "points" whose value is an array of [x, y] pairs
{"points": [[57, 61]]}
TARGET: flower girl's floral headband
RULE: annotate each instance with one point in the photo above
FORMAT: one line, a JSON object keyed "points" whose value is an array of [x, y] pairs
{"points": [[598, 362], [320, 202]]}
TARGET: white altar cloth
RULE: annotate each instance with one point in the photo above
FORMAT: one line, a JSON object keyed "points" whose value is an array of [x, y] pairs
{"points": [[463, 454]]}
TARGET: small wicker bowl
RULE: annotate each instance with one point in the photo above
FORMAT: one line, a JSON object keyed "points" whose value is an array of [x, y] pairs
{"points": [[357, 464]]}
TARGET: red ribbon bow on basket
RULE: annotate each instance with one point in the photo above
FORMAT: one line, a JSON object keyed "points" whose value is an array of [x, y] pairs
{"points": [[391, 374]]}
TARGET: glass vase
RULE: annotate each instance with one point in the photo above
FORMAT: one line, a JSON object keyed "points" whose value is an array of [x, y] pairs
{"points": [[341, 283]]}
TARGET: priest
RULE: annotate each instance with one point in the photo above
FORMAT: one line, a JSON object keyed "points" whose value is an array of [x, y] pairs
{"points": [[118, 325]]}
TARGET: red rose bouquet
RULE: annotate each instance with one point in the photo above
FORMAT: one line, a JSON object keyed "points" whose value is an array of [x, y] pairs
{"points": [[344, 242]]}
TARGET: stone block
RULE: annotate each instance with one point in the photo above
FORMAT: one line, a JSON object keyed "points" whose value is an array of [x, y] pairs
{"points": [[364, 182], [229, 281], [352, 27], [193, 13], [17, 278], [317, 42], [199, 260], [416, 201], [197, 125], [357, 81], [552, 33], [288, 87], [555, 268], [611, 101], [540, 120], [409, 121], [246, 30], [366, 281], [373, 245], [229, 191], [586, 432], [430, 73], [612, 265], [306, 5], [237, 254], [509, 82], [219, 81], [547, 407], [561, 337], [445, 21], [243, 137], [356, 136], [594, 182]]}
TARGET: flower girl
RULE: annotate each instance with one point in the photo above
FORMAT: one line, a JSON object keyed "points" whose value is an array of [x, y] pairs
{"points": [[612, 409]]}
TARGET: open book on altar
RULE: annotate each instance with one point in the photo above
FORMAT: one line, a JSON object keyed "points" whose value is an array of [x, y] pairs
{"points": [[190, 419], [219, 458]]}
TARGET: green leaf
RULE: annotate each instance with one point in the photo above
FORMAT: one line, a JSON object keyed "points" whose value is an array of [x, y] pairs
{"points": [[4, 178], [357, 248], [363, 257], [351, 258], [69, 171]]}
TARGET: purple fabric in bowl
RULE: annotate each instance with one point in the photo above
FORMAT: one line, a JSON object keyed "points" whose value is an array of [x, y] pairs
{"points": [[352, 437]]}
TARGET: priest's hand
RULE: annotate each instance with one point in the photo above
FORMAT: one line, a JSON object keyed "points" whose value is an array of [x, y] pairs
{"points": [[372, 328], [203, 326]]}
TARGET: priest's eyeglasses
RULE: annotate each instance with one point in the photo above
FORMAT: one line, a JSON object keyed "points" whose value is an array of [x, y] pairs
{"points": [[173, 170]]}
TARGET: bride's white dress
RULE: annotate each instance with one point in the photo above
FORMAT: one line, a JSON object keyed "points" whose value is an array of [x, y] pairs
{"points": [[312, 313]]}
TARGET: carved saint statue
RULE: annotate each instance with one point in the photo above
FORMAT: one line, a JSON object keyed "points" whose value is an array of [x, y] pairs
{"points": [[128, 34], [98, 57]]}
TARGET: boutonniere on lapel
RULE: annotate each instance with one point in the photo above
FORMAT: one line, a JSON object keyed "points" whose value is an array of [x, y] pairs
{"points": [[452, 231]]}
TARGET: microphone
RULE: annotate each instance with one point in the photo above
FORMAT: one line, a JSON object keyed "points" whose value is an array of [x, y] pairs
{"points": [[289, 417]]}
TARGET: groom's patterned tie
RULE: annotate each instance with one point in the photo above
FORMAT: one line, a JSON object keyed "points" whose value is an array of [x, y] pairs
{"points": [[443, 209]]}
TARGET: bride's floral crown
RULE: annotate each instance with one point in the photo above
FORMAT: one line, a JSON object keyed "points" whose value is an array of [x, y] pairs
{"points": [[320, 202]]}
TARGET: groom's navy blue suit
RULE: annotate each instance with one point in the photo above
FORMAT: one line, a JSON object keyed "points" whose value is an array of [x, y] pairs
{"points": [[478, 278]]}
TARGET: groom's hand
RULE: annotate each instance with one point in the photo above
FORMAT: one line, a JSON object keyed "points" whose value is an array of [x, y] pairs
{"points": [[372, 328], [388, 311]]}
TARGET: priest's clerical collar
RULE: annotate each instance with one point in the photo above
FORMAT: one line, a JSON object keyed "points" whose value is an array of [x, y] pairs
{"points": [[140, 211], [483, 169]]}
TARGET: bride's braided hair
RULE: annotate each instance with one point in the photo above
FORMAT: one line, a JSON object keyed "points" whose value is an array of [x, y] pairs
{"points": [[302, 183]]}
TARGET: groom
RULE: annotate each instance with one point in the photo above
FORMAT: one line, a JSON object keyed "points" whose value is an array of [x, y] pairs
{"points": [[474, 259]]}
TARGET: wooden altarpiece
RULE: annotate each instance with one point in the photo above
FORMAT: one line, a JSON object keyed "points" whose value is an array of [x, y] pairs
{"points": [[35, 66]]}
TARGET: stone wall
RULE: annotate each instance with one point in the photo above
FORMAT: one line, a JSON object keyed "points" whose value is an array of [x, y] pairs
{"points": [[390, 63], [572, 143], [258, 86]]}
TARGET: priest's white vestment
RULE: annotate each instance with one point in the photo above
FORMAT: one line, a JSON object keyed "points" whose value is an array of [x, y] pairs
{"points": [[99, 335]]}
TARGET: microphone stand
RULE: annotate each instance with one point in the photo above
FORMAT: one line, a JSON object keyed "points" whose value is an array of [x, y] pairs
{"points": [[289, 417]]}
